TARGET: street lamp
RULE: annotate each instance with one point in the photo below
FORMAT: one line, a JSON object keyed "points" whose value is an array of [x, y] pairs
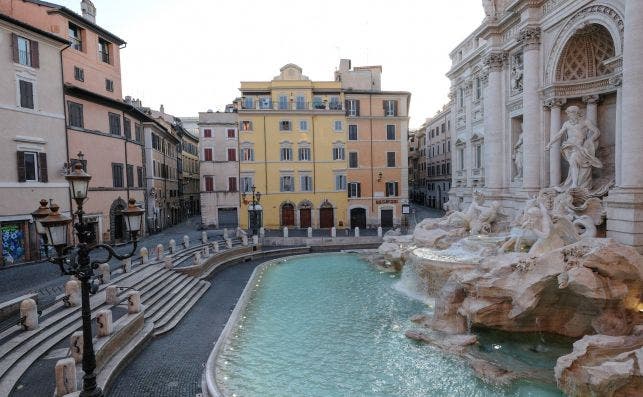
{"points": [[75, 260], [256, 198]]}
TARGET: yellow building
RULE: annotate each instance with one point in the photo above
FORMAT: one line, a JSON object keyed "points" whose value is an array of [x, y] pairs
{"points": [[292, 147]]}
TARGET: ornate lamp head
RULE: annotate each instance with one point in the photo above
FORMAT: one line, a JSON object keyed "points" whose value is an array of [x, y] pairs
{"points": [[56, 227], [133, 218], [78, 182], [38, 215]]}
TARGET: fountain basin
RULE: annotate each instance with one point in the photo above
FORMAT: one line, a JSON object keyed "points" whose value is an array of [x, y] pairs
{"points": [[332, 325]]}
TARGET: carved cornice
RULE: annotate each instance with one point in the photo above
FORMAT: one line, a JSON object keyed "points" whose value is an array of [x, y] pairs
{"points": [[616, 80], [529, 37], [591, 99], [495, 60], [555, 103]]}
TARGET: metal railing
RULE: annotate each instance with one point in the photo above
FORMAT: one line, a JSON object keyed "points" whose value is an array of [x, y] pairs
{"points": [[292, 105]]}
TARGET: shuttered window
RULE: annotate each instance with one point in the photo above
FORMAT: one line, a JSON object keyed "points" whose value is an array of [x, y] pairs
{"points": [[352, 160], [139, 176], [207, 154], [209, 184], [232, 184], [390, 107], [390, 132], [390, 159], [392, 189], [138, 132], [32, 167], [232, 154], [26, 94], [207, 133], [352, 132], [130, 175], [127, 128], [354, 189], [114, 124], [79, 74], [25, 51], [352, 107], [117, 175], [75, 115]]}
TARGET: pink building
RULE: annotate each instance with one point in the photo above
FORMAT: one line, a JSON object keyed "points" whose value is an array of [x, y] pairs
{"points": [[99, 124]]}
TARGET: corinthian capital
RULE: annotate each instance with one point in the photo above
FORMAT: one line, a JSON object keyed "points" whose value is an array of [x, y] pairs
{"points": [[495, 60], [555, 103], [529, 37]]}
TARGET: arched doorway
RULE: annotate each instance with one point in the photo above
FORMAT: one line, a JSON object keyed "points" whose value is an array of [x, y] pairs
{"points": [[326, 215], [358, 218], [116, 221], [287, 214], [305, 214]]}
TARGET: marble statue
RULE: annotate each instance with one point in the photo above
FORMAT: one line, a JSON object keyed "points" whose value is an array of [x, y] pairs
{"points": [[486, 218], [579, 149], [516, 73], [464, 219], [489, 8], [452, 205], [518, 155]]}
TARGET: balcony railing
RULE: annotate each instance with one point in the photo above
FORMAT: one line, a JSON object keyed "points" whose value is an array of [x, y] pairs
{"points": [[292, 106]]}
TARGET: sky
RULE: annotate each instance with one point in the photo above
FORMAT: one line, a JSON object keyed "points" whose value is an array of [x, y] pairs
{"points": [[190, 55]]}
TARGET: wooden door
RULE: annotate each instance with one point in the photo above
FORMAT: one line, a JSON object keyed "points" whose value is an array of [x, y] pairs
{"points": [[326, 218], [305, 220], [287, 215], [358, 218], [387, 218]]}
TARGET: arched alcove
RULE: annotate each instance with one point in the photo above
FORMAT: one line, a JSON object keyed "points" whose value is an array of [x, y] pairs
{"points": [[585, 53]]}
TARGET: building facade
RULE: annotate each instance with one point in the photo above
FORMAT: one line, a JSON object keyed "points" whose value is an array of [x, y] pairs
{"points": [[107, 131], [32, 134], [219, 169], [296, 130], [519, 77], [189, 186], [417, 165], [377, 126], [438, 158]]}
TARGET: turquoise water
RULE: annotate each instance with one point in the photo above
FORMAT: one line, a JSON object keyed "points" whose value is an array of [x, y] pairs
{"points": [[332, 325]]}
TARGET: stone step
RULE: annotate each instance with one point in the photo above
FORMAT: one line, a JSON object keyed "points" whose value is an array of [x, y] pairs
{"points": [[161, 299], [169, 321], [176, 297], [160, 287]]}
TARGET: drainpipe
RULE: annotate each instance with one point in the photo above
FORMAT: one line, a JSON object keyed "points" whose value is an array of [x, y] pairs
{"points": [[62, 80], [126, 184]]}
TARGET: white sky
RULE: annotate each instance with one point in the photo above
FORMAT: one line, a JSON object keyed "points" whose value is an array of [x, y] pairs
{"points": [[190, 55]]}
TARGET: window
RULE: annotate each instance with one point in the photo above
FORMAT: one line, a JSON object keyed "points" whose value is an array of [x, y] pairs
{"points": [[448, 168], [352, 160], [391, 189], [449, 146], [127, 128], [340, 182], [390, 159], [248, 102], [287, 183], [443, 127], [207, 154], [461, 159], [75, 37], [103, 50], [390, 107], [114, 124], [354, 189], [334, 103], [265, 102], [304, 154], [286, 154], [138, 131], [139, 176], [79, 73], [248, 154], [246, 125], [352, 132], [301, 102], [232, 184], [303, 125], [390, 132], [352, 107], [338, 153], [461, 97], [207, 133], [30, 169], [75, 111], [117, 174], [130, 175], [25, 51], [338, 125], [306, 182], [232, 154], [318, 103], [284, 125], [283, 102], [478, 88], [109, 85], [478, 150], [246, 184], [209, 183], [26, 94], [232, 133]]}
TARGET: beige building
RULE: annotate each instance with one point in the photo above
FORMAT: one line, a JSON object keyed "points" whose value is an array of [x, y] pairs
{"points": [[219, 168], [377, 125], [437, 161], [514, 80], [32, 134], [417, 165]]}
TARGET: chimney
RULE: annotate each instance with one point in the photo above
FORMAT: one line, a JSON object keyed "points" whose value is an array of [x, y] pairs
{"points": [[89, 10], [162, 109], [344, 65]]}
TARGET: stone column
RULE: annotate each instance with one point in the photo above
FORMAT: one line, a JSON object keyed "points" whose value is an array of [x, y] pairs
{"points": [[555, 125], [494, 163], [625, 203], [529, 37], [592, 108]]}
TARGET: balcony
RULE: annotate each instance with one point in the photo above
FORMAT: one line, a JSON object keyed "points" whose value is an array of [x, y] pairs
{"points": [[292, 106]]}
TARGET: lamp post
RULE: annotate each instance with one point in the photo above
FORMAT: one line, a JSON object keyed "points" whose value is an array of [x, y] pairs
{"points": [[75, 260], [256, 198]]}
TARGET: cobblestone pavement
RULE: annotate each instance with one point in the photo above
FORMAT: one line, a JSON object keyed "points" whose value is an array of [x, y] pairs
{"points": [[45, 278], [172, 365]]}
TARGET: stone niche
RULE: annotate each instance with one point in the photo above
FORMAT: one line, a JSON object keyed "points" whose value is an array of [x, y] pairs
{"points": [[516, 130]]}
